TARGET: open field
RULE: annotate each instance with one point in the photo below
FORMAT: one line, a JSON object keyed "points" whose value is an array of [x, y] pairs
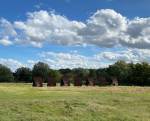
{"points": [[21, 102]]}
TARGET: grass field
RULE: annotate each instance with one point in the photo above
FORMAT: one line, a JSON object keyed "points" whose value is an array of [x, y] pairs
{"points": [[21, 102]]}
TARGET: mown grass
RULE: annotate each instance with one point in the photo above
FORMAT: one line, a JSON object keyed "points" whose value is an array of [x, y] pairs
{"points": [[21, 102]]}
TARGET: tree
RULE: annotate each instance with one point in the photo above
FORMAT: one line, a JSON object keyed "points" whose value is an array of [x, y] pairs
{"points": [[53, 77], [146, 74], [102, 77], [91, 77], [66, 76], [5, 74], [78, 76], [119, 72], [23, 74], [40, 69], [40, 74], [140, 74]]}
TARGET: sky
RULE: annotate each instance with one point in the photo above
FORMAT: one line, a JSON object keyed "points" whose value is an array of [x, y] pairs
{"points": [[74, 33]]}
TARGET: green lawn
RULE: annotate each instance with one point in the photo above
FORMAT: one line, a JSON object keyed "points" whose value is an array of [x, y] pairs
{"points": [[21, 102]]}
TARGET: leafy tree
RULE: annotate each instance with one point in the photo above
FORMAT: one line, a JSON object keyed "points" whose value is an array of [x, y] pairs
{"points": [[92, 73], [102, 72], [125, 73], [23, 74], [5, 74], [102, 76], [66, 72], [120, 71], [78, 76], [54, 74], [40, 70], [67, 75], [79, 72], [140, 74], [91, 77]]}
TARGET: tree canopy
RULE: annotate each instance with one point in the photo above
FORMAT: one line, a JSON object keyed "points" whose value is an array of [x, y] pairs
{"points": [[40, 69], [125, 73], [23, 74], [5, 74]]}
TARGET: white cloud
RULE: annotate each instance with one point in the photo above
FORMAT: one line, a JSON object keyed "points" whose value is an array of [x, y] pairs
{"points": [[105, 28], [39, 5], [102, 29], [56, 61], [137, 34], [11, 63], [70, 60], [6, 28], [7, 31], [5, 41], [102, 59], [75, 60], [44, 26], [128, 55]]}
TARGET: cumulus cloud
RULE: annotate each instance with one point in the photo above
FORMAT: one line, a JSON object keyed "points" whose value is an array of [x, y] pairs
{"points": [[100, 60], [5, 41], [7, 32], [105, 28], [11, 63], [57, 60], [6, 28], [44, 26], [70, 60], [137, 34], [101, 29], [128, 55]]}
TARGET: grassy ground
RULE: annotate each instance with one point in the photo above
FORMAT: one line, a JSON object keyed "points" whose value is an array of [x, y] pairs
{"points": [[21, 102]]}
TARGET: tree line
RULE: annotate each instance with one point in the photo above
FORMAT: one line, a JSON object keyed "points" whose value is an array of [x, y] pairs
{"points": [[120, 73]]}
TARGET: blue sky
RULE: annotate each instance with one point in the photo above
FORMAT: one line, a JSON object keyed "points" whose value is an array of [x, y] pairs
{"points": [[73, 9], [107, 30]]}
